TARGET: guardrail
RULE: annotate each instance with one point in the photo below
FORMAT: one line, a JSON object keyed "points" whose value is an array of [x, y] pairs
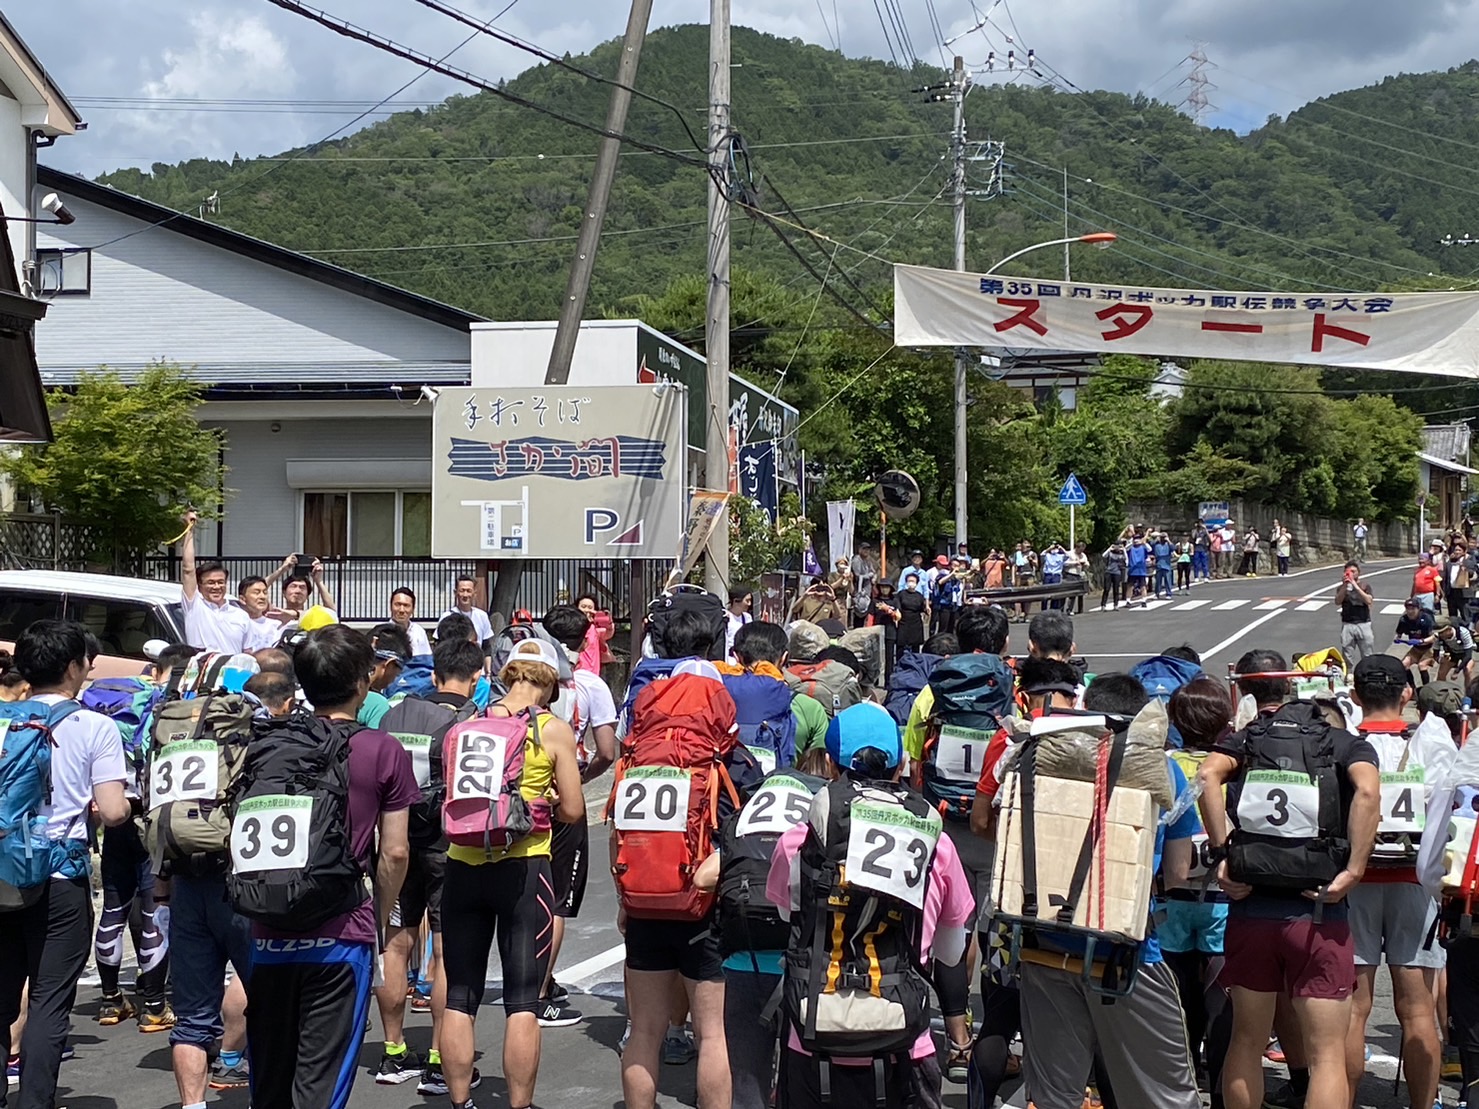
{"points": [[1007, 597]]}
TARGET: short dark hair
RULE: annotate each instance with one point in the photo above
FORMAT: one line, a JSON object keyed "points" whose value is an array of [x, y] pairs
{"points": [[457, 626], [739, 593], [462, 578], [690, 633], [1052, 632], [1038, 673], [1353, 565], [45, 650], [176, 654], [760, 641], [274, 660], [1186, 653], [1201, 711], [94, 646], [1264, 691], [456, 660], [982, 628], [587, 597], [842, 655], [246, 583], [388, 637], [271, 687], [332, 663], [568, 625], [942, 643], [211, 567], [1377, 692], [1117, 693], [407, 590]]}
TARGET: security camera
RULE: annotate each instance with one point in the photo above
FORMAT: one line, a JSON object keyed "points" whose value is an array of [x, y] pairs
{"points": [[53, 204]]}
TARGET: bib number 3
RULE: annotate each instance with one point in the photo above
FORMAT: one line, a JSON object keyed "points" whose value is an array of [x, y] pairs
{"points": [[1279, 803], [271, 833]]}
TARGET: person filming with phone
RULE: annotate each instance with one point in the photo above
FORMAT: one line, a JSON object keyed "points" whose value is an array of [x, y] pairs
{"points": [[1354, 601]]}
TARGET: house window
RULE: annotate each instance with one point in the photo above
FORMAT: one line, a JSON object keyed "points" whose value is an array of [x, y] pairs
{"points": [[64, 272], [367, 522]]}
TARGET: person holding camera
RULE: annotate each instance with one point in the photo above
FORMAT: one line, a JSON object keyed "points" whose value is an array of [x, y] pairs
{"points": [[1354, 601]]}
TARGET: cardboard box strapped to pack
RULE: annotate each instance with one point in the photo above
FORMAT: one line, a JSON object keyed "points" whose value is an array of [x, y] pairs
{"points": [[1063, 811]]}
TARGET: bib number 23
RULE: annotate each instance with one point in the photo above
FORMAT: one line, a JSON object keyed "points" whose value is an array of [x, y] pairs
{"points": [[890, 852]]}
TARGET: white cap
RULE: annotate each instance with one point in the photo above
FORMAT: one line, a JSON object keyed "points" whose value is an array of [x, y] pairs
{"points": [[535, 650], [699, 668]]}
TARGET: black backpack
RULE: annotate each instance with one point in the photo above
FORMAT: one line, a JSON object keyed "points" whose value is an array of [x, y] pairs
{"points": [[420, 725], [1289, 831], [973, 695], [854, 984], [292, 856], [679, 598], [747, 920]]}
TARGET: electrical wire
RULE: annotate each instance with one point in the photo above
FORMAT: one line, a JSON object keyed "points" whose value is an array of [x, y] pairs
{"points": [[817, 411], [781, 380]]}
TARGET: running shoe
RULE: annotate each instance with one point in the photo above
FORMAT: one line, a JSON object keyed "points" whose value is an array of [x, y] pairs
{"points": [[395, 1069], [161, 1021], [1452, 1068], [13, 1070], [230, 1078], [554, 1015], [621, 1044], [420, 1003], [68, 1052], [678, 1047], [435, 1083], [958, 1063], [1282, 1097], [115, 1010], [1275, 1052], [557, 993]]}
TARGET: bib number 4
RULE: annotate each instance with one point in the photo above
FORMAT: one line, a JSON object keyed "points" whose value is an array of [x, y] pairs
{"points": [[1403, 804]]}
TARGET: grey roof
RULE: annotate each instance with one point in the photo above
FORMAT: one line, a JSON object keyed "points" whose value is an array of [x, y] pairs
{"points": [[1450, 441]]}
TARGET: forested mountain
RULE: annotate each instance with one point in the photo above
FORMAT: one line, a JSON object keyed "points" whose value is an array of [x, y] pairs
{"points": [[475, 202]]}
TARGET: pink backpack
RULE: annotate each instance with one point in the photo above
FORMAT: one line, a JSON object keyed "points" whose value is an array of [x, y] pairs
{"points": [[484, 763]]}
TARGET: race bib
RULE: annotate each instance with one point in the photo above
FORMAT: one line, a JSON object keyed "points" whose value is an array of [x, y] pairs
{"points": [[959, 752], [1201, 857], [653, 799], [187, 771], [477, 765], [419, 748], [780, 804], [1403, 805], [271, 833], [1279, 803], [764, 758], [889, 850]]}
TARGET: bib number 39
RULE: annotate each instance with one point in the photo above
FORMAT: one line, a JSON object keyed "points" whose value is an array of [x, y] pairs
{"points": [[653, 799], [1279, 803], [890, 851], [271, 833]]}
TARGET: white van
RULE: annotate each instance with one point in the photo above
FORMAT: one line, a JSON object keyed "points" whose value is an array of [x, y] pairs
{"points": [[124, 613]]}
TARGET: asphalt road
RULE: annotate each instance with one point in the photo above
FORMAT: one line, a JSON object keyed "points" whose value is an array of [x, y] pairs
{"points": [[118, 1067]]}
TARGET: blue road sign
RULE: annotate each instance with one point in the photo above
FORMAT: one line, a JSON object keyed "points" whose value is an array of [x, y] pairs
{"points": [[1072, 492]]}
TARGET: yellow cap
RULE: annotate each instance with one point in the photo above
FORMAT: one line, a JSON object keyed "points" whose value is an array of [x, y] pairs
{"points": [[317, 617]]}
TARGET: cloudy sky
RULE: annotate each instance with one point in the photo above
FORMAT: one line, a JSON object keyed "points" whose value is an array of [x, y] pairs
{"points": [[210, 78]]}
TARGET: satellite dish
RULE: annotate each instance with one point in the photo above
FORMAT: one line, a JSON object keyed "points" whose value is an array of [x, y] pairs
{"points": [[897, 493]]}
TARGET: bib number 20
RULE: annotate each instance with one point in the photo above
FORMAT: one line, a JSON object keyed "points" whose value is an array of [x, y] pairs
{"points": [[653, 799]]}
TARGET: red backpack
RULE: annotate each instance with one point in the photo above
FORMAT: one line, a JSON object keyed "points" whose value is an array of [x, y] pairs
{"points": [[665, 802]]}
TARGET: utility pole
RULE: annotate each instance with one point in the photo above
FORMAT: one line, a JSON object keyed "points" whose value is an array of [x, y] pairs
{"points": [[716, 330], [572, 308], [1067, 265], [958, 87]]}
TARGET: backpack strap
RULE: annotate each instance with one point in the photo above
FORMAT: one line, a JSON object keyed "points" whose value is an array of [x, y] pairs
{"points": [[1026, 781], [1118, 743]]}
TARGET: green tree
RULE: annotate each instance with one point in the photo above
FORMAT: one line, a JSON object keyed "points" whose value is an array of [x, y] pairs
{"points": [[757, 546], [125, 461]]}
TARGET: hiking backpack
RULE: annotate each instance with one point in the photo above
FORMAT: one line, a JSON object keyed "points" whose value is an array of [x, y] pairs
{"points": [[679, 598], [1289, 833], [28, 856], [292, 854], [420, 726], [1162, 676], [665, 801], [747, 920], [827, 681], [196, 752], [973, 695], [767, 727], [854, 984], [644, 673], [483, 762], [911, 674], [127, 702]]}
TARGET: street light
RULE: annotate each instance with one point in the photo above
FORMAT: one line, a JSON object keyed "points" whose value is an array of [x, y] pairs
{"points": [[1097, 238]]}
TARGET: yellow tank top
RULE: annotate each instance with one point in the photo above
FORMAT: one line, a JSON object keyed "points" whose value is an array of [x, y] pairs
{"points": [[536, 783]]}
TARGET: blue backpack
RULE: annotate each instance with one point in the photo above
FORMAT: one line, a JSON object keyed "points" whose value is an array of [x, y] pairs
{"points": [[763, 711], [910, 676], [647, 671], [1163, 676], [127, 702], [416, 679], [27, 856], [973, 695]]}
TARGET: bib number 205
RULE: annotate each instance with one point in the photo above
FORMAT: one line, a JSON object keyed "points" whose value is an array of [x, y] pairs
{"points": [[271, 833], [890, 851], [477, 766]]}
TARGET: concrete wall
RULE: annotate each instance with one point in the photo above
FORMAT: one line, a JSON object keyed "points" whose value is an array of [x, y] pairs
{"points": [[1316, 540]]}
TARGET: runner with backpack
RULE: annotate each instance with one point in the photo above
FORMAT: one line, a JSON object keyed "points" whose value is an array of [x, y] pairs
{"points": [[776, 725], [510, 774], [874, 893], [832, 684], [1304, 800], [421, 724], [56, 761], [315, 792]]}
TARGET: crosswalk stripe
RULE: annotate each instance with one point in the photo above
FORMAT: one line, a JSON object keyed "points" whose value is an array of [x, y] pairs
{"points": [[1228, 606], [1153, 605], [1312, 606], [1391, 610], [1187, 606], [1269, 606]]}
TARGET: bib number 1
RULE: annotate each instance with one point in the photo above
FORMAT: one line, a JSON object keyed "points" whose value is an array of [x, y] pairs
{"points": [[959, 752]]}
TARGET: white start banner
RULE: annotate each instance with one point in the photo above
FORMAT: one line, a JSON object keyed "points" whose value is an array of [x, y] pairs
{"points": [[1434, 333]]}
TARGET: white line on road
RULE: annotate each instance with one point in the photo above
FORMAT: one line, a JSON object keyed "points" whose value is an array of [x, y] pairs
{"points": [[1312, 606], [1391, 610], [1270, 606], [593, 966], [1228, 606], [1187, 606]]}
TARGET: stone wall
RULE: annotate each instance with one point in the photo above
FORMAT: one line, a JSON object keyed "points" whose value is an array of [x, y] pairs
{"points": [[1316, 540]]}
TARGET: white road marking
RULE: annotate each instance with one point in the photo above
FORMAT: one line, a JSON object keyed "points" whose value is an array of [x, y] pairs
{"points": [[1312, 606], [1228, 606], [1153, 605], [593, 966], [1270, 606], [1392, 610], [1187, 606]]}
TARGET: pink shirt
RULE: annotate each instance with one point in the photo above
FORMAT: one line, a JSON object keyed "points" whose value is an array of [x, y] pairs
{"points": [[948, 904]]}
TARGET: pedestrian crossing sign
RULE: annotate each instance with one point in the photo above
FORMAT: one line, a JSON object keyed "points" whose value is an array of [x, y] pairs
{"points": [[1072, 492]]}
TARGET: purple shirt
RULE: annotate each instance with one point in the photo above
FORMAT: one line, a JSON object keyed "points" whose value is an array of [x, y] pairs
{"points": [[380, 781]]}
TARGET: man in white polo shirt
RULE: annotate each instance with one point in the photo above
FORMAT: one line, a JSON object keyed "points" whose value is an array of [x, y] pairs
{"points": [[212, 623], [402, 615], [463, 593]]}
